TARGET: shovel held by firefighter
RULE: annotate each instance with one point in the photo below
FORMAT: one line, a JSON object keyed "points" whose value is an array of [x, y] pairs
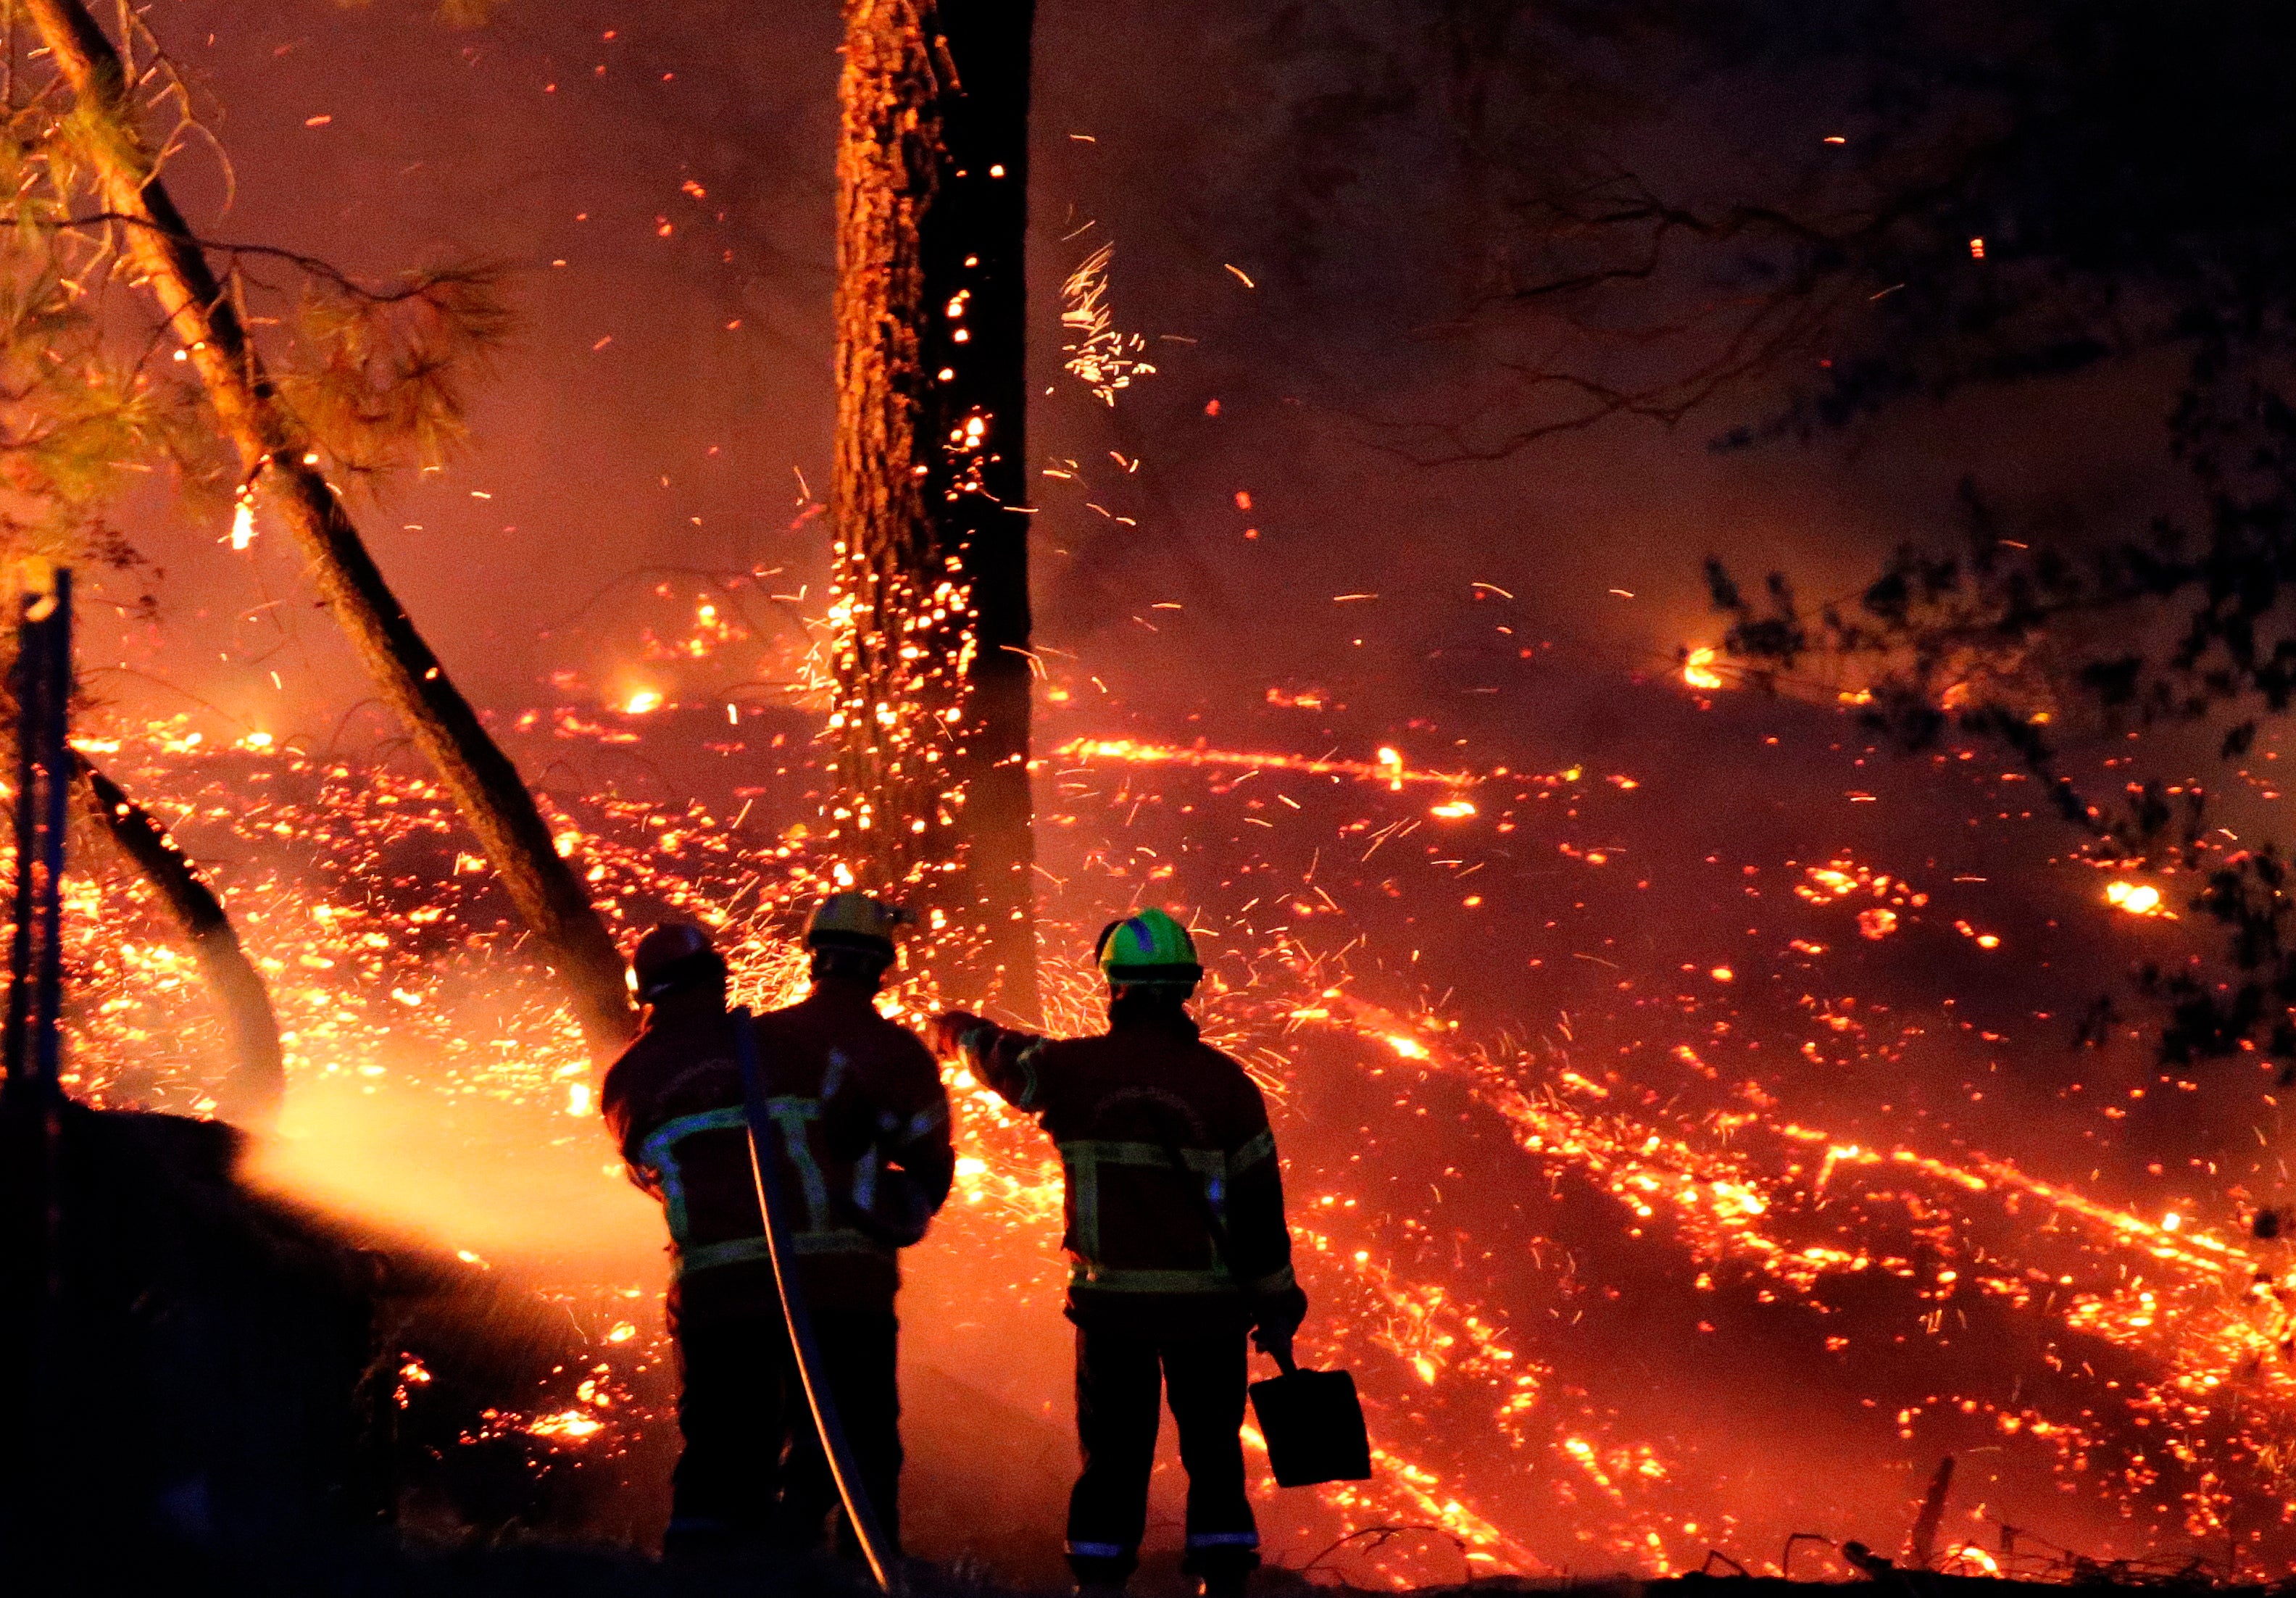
{"points": [[766, 1152], [1312, 1423]]}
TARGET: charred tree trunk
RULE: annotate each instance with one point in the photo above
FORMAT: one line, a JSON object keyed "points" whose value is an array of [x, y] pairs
{"points": [[250, 1094], [272, 445], [931, 481]]}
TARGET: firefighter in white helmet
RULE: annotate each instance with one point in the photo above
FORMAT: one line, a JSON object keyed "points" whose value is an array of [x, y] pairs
{"points": [[867, 1164]]}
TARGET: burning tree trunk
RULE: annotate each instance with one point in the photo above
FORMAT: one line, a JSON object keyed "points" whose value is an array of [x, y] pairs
{"points": [[930, 479], [273, 447], [258, 1074]]}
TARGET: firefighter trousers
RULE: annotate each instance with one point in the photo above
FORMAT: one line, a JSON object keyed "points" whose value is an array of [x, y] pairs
{"points": [[1118, 1375], [752, 1469]]}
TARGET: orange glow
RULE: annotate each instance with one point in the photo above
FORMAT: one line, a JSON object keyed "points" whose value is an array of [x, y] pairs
{"points": [[1386, 767], [2133, 899], [1697, 669]]}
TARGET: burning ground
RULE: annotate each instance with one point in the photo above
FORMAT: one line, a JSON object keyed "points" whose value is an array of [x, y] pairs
{"points": [[1682, 1156]]}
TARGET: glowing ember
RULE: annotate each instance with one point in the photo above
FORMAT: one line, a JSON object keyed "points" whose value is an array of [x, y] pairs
{"points": [[571, 1425], [2135, 898], [1698, 669], [1387, 767]]}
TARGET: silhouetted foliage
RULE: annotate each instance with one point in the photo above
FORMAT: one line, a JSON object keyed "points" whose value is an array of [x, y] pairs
{"points": [[1824, 211], [2046, 190]]}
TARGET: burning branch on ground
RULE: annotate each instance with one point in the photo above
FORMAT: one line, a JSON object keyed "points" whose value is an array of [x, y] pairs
{"points": [[257, 1082]]}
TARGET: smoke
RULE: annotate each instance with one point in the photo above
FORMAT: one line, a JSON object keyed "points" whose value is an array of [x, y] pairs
{"points": [[525, 1188]]}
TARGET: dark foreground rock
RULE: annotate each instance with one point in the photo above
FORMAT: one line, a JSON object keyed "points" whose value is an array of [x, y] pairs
{"points": [[177, 1355], [184, 1358]]}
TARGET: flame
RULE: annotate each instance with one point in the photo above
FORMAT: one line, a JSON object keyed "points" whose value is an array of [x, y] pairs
{"points": [[571, 1425], [2133, 899], [1697, 668], [1386, 767]]}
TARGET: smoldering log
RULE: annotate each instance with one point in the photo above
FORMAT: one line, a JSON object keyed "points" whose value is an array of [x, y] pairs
{"points": [[250, 1092]]}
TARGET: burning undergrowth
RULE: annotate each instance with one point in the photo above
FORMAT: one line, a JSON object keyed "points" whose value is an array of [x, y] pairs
{"points": [[1669, 1183]]}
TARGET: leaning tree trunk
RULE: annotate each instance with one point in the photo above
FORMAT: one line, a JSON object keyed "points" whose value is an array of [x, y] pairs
{"points": [[250, 1092], [272, 445], [930, 477]]}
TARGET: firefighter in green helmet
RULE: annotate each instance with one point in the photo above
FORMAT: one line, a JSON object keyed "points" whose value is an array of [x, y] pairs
{"points": [[867, 1163], [1177, 1243]]}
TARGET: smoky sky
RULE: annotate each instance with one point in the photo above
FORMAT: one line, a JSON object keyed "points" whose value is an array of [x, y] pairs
{"points": [[1292, 236]]}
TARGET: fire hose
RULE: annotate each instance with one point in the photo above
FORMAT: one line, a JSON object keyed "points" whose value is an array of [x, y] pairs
{"points": [[764, 1164]]}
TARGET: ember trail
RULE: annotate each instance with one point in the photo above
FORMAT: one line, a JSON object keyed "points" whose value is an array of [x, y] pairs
{"points": [[2091, 1351]]}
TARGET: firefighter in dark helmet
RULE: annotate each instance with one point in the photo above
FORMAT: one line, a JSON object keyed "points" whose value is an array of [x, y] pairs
{"points": [[867, 1162], [1178, 1241]]}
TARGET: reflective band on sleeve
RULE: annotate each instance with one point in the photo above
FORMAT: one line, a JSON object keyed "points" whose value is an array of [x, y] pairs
{"points": [[925, 1120], [656, 1149], [1223, 1540], [1280, 1280], [1254, 1151], [1098, 1549]]}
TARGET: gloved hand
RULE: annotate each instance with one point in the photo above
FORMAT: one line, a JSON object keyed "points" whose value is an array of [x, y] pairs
{"points": [[945, 1033], [1276, 1319]]}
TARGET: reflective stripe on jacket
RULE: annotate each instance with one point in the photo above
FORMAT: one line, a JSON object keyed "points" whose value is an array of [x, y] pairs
{"points": [[811, 1229], [857, 1101], [1174, 1195], [1210, 1177]]}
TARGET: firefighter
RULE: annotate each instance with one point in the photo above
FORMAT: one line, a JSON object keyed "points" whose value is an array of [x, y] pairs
{"points": [[867, 1162], [1176, 1239]]}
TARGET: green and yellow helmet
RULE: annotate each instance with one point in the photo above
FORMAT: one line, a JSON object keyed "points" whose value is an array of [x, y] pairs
{"points": [[1148, 946]]}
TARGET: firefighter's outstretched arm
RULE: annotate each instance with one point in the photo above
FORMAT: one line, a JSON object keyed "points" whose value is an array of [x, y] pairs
{"points": [[1003, 1059]]}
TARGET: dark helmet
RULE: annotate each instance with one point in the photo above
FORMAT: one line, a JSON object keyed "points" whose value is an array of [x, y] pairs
{"points": [[673, 957]]}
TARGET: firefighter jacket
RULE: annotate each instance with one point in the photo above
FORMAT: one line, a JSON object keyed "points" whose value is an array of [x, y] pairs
{"points": [[1173, 1199], [865, 1139]]}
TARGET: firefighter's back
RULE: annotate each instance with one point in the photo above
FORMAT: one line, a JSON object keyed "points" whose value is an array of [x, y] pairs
{"points": [[1151, 1082], [1149, 1122]]}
